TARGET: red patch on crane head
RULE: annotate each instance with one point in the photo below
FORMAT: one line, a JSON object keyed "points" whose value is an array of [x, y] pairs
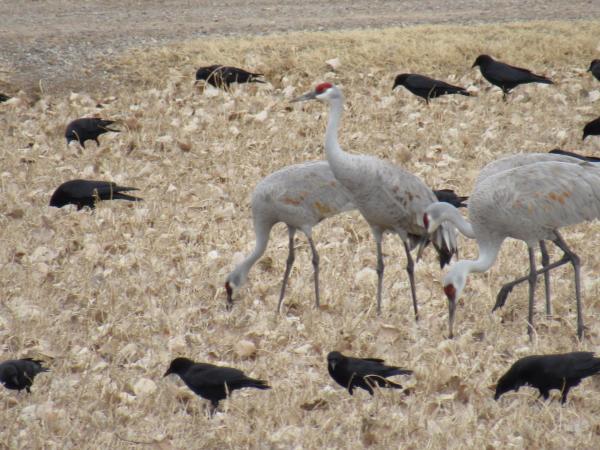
{"points": [[426, 221], [323, 87], [450, 292]]}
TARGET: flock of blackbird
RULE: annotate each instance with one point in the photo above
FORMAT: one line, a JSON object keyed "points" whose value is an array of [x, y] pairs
{"points": [[215, 383]]}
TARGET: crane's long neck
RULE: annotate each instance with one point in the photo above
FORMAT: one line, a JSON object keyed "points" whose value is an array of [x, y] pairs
{"points": [[488, 252], [239, 274], [335, 155], [465, 227]]}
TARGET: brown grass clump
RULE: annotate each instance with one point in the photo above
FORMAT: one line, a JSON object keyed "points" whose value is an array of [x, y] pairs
{"points": [[109, 297]]}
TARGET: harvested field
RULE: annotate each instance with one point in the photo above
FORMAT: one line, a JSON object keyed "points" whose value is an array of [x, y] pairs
{"points": [[109, 297]]}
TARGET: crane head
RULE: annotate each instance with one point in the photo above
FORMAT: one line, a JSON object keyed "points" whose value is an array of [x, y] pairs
{"points": [[322, 92], [454, 283], [434, 215]]}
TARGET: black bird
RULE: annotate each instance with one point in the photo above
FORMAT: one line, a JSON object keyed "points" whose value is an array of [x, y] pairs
{"points": [[546, 372], [426, 87], [592, 128], [18, 374], [558, 151], [212, 382], [364, 373], [87, 128], [595, 69], [222, 76], [504, 76], [4, 97], [449, 196], [86, 192]]}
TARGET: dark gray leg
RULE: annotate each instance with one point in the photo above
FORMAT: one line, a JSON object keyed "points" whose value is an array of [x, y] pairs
{"points": [[532, 282], [577, 269], [545, 262], [377, 234], [315, 262], [410, 269], [288, 265], [508, 287]]}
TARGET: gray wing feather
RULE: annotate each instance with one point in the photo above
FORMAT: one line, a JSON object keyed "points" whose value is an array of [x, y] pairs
{"points": [[411, 197], [301, 194], [407, 194], [522, 159], [529, 202]]}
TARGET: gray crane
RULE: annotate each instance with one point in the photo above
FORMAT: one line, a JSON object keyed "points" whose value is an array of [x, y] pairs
{"points": [[530, 203], [523, 159], [300, 196], [388, 197]]}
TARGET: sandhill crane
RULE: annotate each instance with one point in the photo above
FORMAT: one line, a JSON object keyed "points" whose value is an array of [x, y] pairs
{"points": [[426, 87], [523, 159], [530, 203], [388, 197], [505, 76], [300, 196]]}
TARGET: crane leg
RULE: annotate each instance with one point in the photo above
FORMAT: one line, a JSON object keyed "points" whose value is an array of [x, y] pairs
{"points": [[545, 262], [288, 265], [378, 235], [532, 283], [571, 256], [315, 262], [410, 269], [508, 287]]}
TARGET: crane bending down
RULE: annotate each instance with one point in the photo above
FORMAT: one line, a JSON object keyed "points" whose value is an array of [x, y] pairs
{"points": [[388, 197], [511, 162], [530, 203], [300, 196]]}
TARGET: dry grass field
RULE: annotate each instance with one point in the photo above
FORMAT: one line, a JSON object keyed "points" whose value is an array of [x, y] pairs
{"points": [[108, 298]]}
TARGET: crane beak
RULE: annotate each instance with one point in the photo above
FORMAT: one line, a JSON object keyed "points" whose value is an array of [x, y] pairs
{"points": [[451, 311], [450, 292], [308, 96]]}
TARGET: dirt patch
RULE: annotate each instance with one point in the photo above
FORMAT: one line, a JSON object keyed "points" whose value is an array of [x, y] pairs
{"points": [[56, 45]]}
